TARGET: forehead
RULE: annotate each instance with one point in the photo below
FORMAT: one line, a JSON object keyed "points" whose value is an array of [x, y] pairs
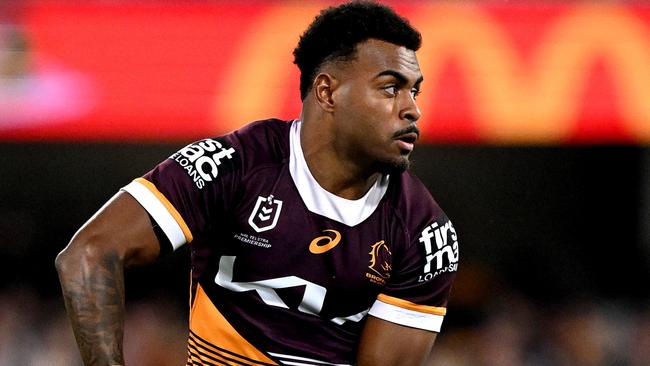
{"points": [[374, 56]]}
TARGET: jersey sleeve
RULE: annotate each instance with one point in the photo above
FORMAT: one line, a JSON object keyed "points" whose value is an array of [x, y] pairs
{"points": [[417, 292], [185, 193]]}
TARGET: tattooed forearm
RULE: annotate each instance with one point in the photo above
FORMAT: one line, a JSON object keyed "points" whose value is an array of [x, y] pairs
{"points": [[93, 289]]}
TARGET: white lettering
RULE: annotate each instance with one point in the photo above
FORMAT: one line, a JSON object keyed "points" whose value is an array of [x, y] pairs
{"points": [[438, 256], [454, 237], [427, 267], [312, 300], [223, 153], [210, 145], [199, 166], [440, 242], [213, 168], [194, 175], [446, 250], [192, 152], [426, 238]]}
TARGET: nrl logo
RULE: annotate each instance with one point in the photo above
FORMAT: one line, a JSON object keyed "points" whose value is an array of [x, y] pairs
{"points": [[265, 214]]}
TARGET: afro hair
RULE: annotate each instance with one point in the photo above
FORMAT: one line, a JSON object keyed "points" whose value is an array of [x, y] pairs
{"points": [[336, 31]]}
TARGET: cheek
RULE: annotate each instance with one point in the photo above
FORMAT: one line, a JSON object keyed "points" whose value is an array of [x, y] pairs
{"points": [[378, 109], [369, 117]]}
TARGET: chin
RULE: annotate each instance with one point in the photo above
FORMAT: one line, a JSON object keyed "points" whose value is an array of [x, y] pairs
{"points": [[393, 166]]}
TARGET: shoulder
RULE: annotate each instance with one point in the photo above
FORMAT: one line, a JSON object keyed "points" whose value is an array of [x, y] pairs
{"points": [[413, 204], [412, 199], [260, 142], [270, 136], [257, 144]]}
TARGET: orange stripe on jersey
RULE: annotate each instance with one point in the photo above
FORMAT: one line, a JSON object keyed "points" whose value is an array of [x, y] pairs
{"points": [[172, 210], [213, 338], [412, 306], [198, 355]]}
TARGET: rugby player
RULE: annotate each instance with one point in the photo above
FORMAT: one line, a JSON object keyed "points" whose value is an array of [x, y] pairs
{"points": [[311, 242]]}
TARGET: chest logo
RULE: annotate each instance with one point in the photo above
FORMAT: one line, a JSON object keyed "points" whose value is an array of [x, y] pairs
{"points": [[380, 263], [324, 243], [266, 213]]}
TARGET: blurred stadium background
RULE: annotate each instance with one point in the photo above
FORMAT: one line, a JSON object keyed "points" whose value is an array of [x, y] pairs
{"points": [[536, 141]]}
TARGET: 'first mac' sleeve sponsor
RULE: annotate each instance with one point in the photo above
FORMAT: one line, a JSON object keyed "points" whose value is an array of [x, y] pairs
{"points": [[440, 243], [204, 160]]}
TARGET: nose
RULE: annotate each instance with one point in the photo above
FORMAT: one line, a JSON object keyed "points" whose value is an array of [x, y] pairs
{"points": [[410, 110]]}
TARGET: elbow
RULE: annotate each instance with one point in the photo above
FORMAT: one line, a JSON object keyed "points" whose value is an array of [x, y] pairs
{"points": [[60, 261], [66, 260], [70, 258], [83, 252]]}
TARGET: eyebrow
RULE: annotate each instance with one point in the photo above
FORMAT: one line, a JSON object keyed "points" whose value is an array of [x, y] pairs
{"points": [[401, 78]]}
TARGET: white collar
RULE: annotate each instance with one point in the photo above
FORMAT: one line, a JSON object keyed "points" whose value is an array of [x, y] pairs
{"points": [[320, 201]]}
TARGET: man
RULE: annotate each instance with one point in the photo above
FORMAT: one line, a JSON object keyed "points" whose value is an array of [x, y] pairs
{"points": [[311, 243]]}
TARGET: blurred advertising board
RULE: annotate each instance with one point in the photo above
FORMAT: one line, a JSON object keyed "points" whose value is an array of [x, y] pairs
{"points": [[495, 73]]}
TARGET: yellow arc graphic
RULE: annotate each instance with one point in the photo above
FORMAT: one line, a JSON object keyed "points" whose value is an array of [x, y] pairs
{"points": [[315, 248], [513, 101]]}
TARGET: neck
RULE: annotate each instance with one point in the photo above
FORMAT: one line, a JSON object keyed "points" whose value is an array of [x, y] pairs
{"points": [[333, 170]]}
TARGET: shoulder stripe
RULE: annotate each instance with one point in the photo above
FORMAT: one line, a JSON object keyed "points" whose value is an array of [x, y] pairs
{"points": [[172, 210], [412, 306], [159, 207], [399, 314]]}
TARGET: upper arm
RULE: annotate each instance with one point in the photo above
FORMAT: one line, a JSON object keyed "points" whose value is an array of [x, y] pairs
{"points": [[121, 227], [409, 311], [384, 343], [181, 195]]}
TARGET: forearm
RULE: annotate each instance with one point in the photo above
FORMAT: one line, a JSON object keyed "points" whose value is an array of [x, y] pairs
{"points": [[384, 343], [93, 290]]}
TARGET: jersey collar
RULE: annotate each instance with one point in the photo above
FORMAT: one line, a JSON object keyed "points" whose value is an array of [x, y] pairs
{"points": [[320, 201]]}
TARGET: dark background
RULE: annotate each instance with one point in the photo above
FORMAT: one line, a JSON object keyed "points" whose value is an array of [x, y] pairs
{"points": [[553, 223], [554, 242]]}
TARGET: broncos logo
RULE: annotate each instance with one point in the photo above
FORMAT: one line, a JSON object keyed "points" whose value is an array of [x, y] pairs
{"points": [[380, 257]]}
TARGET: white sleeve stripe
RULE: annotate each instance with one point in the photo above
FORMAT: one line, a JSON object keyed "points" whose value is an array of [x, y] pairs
{"points": [[409, 318], [158, 211]]}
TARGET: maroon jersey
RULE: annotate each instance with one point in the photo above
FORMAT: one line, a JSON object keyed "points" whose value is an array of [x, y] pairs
{"points": [[283, 271]]}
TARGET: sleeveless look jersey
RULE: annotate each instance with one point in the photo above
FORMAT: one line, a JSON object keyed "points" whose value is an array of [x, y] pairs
{"points": [[283, 271]]}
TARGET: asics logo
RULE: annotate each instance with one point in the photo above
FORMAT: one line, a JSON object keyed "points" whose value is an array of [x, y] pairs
{"points": [[324, 243]]}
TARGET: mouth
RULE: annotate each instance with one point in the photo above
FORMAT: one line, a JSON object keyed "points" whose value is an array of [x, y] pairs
{"points": [[406, 141], [410, 137]]}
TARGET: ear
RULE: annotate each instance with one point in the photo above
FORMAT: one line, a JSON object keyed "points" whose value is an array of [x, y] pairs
{"points": [[324, 85]]}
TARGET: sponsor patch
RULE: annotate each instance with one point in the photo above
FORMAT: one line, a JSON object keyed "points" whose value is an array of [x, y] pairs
{"points": [[440, 244], [204, 160]]}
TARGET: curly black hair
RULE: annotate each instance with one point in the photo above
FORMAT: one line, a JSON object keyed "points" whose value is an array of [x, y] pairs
{"points": [[336, 31]]}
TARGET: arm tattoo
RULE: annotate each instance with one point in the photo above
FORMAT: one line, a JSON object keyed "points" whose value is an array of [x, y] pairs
{"points": [[94, 299]]}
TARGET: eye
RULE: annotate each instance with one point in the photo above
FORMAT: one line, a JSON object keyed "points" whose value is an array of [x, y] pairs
{"points": [[391, 90], [415, 93]]}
